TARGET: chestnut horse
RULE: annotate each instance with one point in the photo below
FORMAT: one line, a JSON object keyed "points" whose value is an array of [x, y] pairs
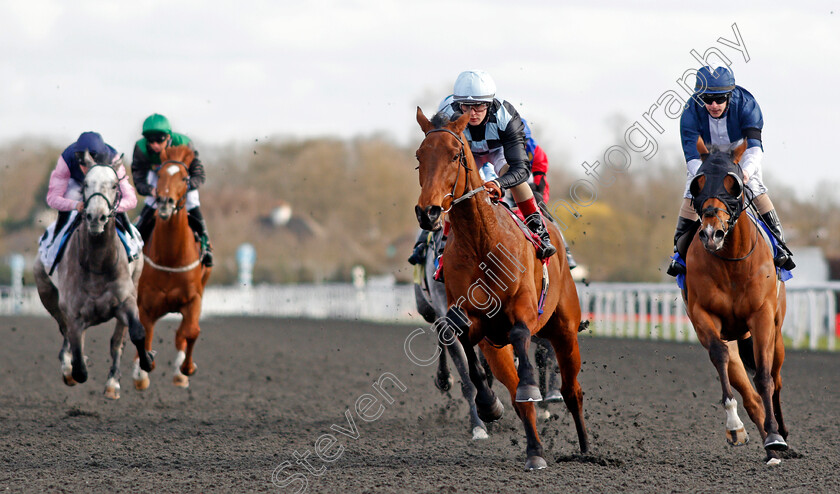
{"points": [[732, 291], [173, 277], [494, 282]]}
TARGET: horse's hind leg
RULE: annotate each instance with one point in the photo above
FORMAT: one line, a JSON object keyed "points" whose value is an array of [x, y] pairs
{"points": [[185, 339], [112, 385], [736, 435], [765, 340], [76, 339], [778, 360], [520, 338], [501, 362], [128, 315], [565, 343]]}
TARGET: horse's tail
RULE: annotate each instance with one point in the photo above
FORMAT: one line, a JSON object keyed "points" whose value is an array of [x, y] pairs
{"points": [[745, 349]]}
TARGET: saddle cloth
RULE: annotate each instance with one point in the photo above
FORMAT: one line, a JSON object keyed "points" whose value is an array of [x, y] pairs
{"points": [[52, 244], [781, 273]]}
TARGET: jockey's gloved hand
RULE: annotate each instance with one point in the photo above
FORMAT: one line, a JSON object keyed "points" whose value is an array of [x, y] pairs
{"points": [[493, 189]]}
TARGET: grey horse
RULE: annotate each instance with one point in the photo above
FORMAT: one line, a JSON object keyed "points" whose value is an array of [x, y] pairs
{"points": [[430, 296], [95, 282]]}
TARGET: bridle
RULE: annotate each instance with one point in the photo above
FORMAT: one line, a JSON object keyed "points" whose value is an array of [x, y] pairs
{"points": [[730, 223], [462, 162], [112, 208], [182, 201]]}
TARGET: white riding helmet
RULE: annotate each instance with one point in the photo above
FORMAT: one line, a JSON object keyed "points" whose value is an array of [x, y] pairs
{"points": [[474, 86]]}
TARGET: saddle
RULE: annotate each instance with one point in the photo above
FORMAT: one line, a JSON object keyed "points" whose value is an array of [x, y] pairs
{"points": [[52, 244]]}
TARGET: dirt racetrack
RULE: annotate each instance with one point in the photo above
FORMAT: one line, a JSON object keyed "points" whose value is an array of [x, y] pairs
{"points": [[268, 388]]}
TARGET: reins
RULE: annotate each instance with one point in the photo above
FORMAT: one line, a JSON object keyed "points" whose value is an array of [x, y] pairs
{"points": [[112, 208]]}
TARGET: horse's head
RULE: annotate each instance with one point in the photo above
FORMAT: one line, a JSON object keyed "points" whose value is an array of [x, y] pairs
{"points": [[173, 180], [101, 192], [718, 192], [442, 156]]}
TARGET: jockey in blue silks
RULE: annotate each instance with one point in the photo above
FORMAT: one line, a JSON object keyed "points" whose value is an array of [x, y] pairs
{"points": [[722, 113]]}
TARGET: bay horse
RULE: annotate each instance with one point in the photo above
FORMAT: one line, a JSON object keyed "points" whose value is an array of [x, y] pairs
{"points": [[173, 278], [732, 292], [430, 297], [493, 284], [95, 282]]}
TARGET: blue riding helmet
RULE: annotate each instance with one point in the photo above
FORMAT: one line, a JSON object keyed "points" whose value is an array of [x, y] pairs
{"points": [[717, 81], [95, 145]]}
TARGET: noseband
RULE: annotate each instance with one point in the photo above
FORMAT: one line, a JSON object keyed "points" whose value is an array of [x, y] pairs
{"points": [[733, 218], [462, 162], [112, 208], [179, 205]]}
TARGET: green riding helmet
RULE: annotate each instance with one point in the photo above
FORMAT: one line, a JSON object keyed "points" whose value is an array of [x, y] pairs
{"points": [[156, 124]]}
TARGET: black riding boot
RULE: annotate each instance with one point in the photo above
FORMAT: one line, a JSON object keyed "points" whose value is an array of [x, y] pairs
{"points": [[419, 254], [200, 228], [145, 222], [782, 259], [683, 226], [536, 225]]}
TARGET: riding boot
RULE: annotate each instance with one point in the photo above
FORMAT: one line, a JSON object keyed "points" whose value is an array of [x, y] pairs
{"points": [[145, 222], [123, 222], [419, 254], [570, 259], [200, 228], [782, 259], [63, 216], [536, 225], [683, 226], [439, 259]]}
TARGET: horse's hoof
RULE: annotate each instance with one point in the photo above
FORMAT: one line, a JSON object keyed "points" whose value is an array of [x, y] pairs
{"points": [[774, 442], [68, 380], [112, 393], [490, 413], [190, 371], [142, 384], [554, 396], [535, 463], [444, 384], [774, 461], [737, 437], [181, 381], [528, 392], [479, 433], [79, 376]]}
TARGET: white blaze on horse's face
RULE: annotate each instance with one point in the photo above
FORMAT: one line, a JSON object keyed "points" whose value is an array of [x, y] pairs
{"points": [[100, 192], [713, 226]]}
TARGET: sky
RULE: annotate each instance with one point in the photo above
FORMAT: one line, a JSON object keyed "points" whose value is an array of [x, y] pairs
{"points": [[236, 72]]}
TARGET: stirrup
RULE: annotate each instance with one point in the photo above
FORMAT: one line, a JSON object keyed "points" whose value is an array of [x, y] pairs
{"points": [[784, 261], [570, 260]]}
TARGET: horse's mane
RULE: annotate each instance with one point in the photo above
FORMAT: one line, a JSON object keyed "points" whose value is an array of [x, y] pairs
{"points": [[181, 153]]}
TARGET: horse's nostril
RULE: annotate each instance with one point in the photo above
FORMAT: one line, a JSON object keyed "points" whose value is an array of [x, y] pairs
{"points": [[434, 212], [702, 235], [102, 218]]}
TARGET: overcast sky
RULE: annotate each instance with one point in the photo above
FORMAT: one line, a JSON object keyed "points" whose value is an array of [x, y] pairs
{"points": [[238, 71]]}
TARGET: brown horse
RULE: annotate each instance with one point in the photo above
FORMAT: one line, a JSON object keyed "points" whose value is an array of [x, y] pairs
{"points": [[732, 292], [493, 284], [173, 277]]}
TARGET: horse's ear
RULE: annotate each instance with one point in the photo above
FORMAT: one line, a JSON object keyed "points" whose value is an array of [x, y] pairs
{"points": [[702, 149], [461, 123], [425, 125], [697, 184], [118, 162], [738, 151], [88, 160]]}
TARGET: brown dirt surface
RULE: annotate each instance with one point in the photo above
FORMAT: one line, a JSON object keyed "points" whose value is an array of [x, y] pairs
{"points": [[268, 388]]}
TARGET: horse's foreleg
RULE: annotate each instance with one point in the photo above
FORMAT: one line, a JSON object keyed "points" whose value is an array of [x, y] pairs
{"points": [[76, 339], [501, 363], [736, 435], [526, 389], [459, 359], [112, 385], [185, 339], [128, 315], [443, 378], [66, 359], [764, 347]]}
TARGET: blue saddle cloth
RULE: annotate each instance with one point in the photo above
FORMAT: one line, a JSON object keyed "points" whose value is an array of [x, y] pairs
{"points": [[782, 273]]}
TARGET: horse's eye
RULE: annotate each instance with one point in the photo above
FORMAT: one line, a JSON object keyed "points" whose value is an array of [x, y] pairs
{"points": [[455, 158]]}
